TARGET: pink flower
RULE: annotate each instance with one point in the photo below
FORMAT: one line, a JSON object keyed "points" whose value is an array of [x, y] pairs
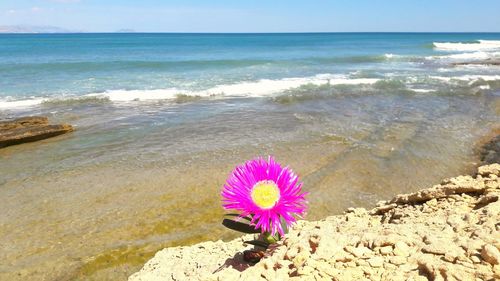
{"points": [[266, 192]]}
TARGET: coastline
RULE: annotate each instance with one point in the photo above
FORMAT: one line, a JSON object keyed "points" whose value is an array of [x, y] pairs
{"points": [[373, 116], [447, 231]]}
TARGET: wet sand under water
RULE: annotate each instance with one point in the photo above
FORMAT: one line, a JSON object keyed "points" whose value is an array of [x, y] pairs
{"points": [[103, 221]]}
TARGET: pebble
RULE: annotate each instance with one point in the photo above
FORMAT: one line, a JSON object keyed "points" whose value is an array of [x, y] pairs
{"points": [[376, 261], [397, 260], [359, 252], [490, 254], [306, 270], [475, 259], [300, 259], [386, 250], [401, 249]]}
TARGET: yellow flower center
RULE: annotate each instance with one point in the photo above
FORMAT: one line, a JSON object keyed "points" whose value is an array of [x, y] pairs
{"points": [[265, 194]]}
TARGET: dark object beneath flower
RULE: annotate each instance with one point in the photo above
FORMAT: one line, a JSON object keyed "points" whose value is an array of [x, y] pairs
{"points": [[253, 256]]}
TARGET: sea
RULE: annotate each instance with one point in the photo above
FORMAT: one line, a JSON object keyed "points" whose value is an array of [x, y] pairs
{"points": [[162, 119]]}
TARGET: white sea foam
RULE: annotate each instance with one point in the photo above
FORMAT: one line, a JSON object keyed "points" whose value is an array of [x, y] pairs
{"points": [[481, 50], [468, 78], [470, 67], [20, 103], [470, 47], [468, 56], [138, 95], [260, 88], [396, 57], [421, 90]]}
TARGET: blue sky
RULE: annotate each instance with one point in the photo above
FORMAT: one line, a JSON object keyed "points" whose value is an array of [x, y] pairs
{"points": [[255, 15]]}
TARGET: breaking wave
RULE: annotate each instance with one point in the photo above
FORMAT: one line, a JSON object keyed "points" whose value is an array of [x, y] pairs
{"points": [[286, 87], [480, 45], [260, 88]]}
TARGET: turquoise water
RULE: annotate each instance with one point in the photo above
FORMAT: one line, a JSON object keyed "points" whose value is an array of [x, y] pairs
{"points": [[161, 119], [67, 65]]}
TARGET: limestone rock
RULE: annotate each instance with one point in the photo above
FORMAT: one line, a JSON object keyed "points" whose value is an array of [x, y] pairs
{"points": [[376, 261], [447, 232], [488, 170], [359, 252], [29, 129], [401, 249], [386, 250], [490, 254]]}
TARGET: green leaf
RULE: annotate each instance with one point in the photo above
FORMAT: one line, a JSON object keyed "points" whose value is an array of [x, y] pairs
{"points": [[239, 226], [271, 239], [258, 243]]}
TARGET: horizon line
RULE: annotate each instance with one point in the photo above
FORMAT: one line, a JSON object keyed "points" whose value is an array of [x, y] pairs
{"points": [[278, 32]]}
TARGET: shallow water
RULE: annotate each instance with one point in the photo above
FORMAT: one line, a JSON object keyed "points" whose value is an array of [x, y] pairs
{"points": [[137, 175]]}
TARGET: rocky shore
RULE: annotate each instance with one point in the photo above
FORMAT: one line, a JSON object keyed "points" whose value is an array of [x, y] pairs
{"points": [[29, 129], [448, 232]]}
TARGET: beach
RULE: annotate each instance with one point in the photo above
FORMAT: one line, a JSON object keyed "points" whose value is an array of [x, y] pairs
{"points": [[160, 120]]}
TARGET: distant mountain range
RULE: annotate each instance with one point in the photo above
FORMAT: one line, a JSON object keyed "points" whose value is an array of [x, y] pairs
{"points": [[125, 30], [33, 29]]}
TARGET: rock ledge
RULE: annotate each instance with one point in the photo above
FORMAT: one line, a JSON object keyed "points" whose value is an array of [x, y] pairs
{"points": [[447, 232], [29, 129]]}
